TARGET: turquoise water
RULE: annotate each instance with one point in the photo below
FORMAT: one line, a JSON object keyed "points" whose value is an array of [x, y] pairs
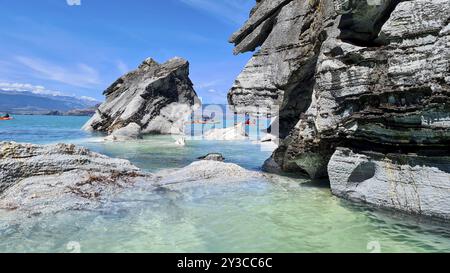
{"points": [[283, 215], [42, 129]]}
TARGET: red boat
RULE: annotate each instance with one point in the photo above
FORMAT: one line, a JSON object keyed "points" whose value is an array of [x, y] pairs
{"points": [[3, 118]]}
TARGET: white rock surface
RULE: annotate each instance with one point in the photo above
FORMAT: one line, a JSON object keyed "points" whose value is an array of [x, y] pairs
{"points": [[409, 183], [131, 132], [228, 134], [205, 172], [181, 141], [49, 179]]}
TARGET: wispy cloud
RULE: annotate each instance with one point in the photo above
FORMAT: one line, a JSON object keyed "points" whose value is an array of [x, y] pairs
{"points": [[89, 99], [37, 89], [26, 87], [122, 67], [82, 75], [231, 11]]}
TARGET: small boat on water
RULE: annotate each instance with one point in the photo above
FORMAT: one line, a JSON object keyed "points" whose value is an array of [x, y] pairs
{"points": [[6, 117]]}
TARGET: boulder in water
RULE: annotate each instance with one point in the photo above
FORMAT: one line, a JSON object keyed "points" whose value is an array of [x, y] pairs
{"points": [[232, 133], [213, 157], [155, 99]]}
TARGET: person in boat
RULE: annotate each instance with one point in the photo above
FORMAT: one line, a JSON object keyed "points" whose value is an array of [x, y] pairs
{"points": [[6, 116], [250, 122]]}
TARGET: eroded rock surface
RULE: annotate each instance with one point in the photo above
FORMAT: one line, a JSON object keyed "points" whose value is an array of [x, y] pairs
{"points": [[411, 183], [366, 75], [39, 180], [52, 178], [155, 98], [205, 172]]}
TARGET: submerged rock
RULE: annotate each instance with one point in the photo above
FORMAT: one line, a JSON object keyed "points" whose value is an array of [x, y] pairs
{"points": [[155, 98], [213, 157], [365, 75], [181, 142], [205, 173]]}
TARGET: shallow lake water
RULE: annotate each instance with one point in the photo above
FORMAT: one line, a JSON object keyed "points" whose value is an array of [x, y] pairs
{"points": [[281, 215]]}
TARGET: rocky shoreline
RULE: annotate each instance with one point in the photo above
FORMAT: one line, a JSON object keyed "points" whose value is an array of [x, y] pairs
{"points": [[38, 180], [363, 90]]}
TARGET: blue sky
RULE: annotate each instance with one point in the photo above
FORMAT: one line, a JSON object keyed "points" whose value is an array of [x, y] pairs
{"points": [[81, 50]]}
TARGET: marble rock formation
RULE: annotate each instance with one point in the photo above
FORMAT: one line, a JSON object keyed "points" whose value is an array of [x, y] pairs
{"points": [[371, 76], [411, 183], [153, 99], [53, 178], [41, 180]]}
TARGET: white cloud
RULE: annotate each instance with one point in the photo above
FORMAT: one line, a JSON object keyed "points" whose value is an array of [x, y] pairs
{"points": [[212, 91], [89, 99], [26, 87], [37, 89], [234, 11], [82, 75]]}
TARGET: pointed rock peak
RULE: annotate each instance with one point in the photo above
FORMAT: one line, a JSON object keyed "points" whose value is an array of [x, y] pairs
{"points": [[176, 64], [149, 62], [155, 98], [176, 61]]}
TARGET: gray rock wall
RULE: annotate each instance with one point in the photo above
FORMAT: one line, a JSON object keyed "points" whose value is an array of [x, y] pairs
{"points": [[372, 76]]}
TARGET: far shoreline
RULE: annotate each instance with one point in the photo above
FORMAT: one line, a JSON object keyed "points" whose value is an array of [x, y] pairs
{"points": [[48, 115]]}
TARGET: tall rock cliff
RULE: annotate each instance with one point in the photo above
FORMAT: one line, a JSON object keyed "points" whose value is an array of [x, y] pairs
{"points": [[363, 89], [155, 98]]}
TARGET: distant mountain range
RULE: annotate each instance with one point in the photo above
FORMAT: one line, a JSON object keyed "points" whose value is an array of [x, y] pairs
{"points": [[30, 103]]}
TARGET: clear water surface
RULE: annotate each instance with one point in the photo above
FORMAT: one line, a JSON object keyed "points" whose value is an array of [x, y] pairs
{"points": [[285, 215]]}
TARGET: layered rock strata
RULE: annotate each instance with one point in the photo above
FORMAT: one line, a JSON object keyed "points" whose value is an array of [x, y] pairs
{"points": [[153, 99], [369, 76]]}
